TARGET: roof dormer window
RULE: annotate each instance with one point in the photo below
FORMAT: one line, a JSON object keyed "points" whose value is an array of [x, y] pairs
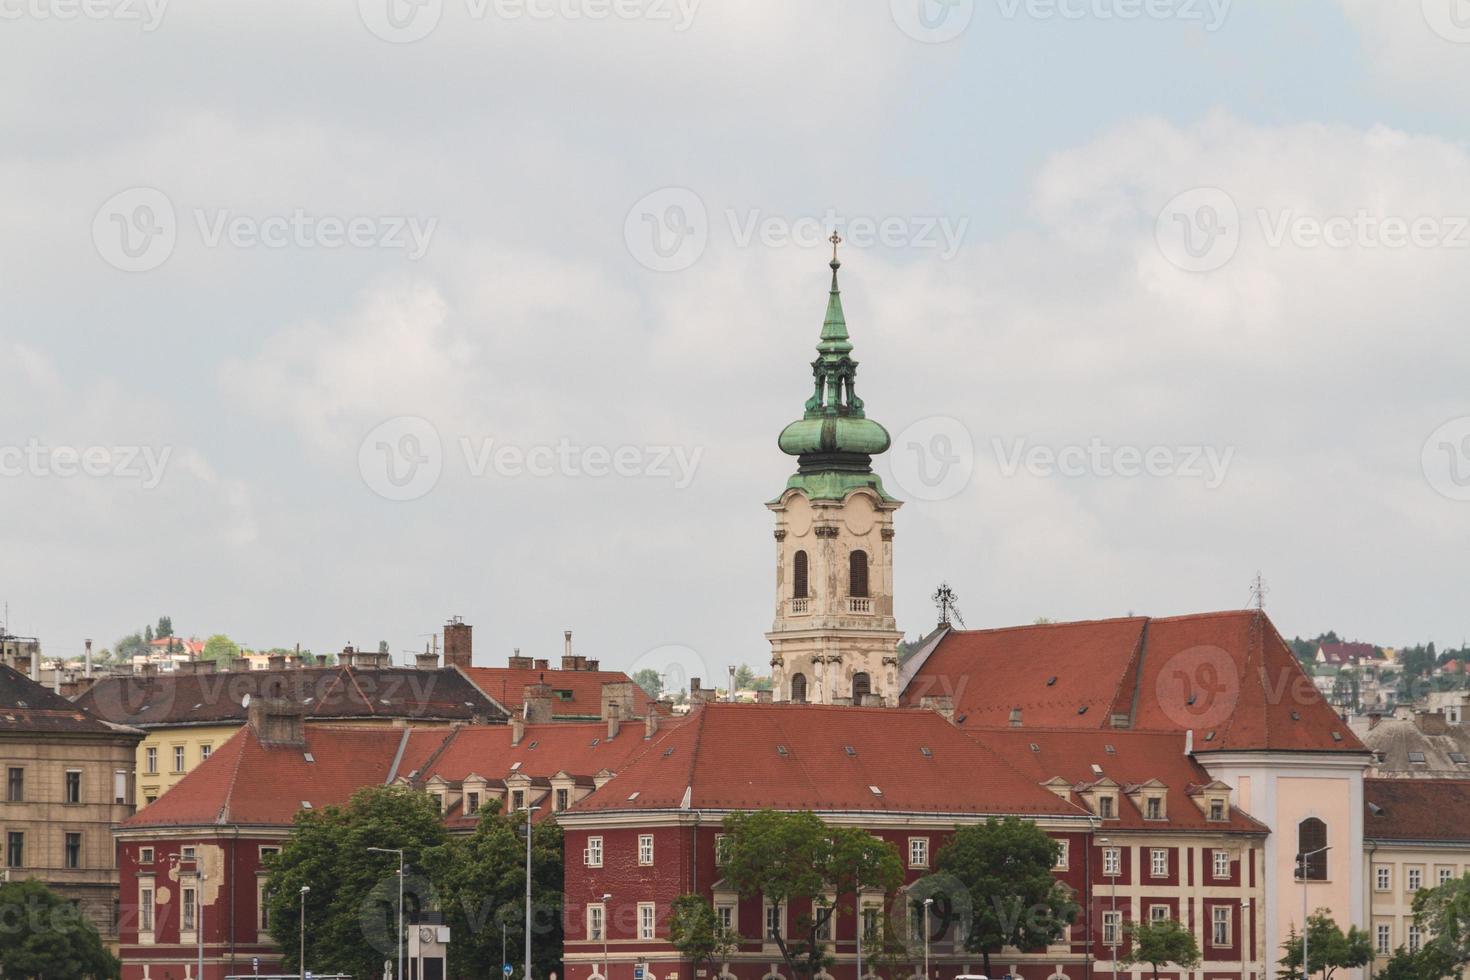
{"points": [[1106, 808]]}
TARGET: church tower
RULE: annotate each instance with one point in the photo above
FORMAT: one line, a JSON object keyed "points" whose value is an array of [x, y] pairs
{"points": [[834, 640]]}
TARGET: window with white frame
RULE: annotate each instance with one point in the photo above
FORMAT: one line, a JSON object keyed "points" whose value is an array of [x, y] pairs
{"points": [[592, 854], [1158, 913], [596, 920], [1220, 925], [186, 853], [1153, 808], [1112, 861], [187, 909], [1062, 855], [145, 909], [472, 803], [645, 849], [722, 848], [773, 920], [645, 920], [1445, 874], [1158, 862], [1382, 877], [178, 758], [1385, 939], [1217, 809], [870, 921], [725, 916], [1112, 928], [824, 914], [1414, 939], [1222, 864], [918, 852], [262, 905], [1415, 878], [145, 855], [1105, 808], [204, 751], [150, 760]]}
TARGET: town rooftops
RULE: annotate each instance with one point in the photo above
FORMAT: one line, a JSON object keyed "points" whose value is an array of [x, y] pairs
{"points": [[823, 758], [29, 708], [1424, 745], [325, 693], [578, 749], [1227, 676], [575, 694], [1412, 810], [1347, 653]]}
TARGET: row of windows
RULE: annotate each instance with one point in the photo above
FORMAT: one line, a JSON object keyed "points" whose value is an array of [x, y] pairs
{"points": [[1413, 877], [597, 921], [71, 786], [147, 909], [592, 853], [150, 758], [71, 850], [1221, 927], [1158, 861], [857, 575], [862, 685], [1153, 808], [1383, 939]]}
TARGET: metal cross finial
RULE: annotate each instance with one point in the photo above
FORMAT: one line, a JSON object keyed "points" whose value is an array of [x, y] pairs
{"points": [[836, 240]]}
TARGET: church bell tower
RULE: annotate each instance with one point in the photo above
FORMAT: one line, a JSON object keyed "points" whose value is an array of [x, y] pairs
{"points": [[834, 640]]}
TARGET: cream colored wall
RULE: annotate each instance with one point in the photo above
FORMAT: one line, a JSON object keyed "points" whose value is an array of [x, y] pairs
{"points": [[1393, 906], [155, 784]]}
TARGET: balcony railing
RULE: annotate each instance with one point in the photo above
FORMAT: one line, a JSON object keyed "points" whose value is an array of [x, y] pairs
{"points": [[859, 605], [800, 607]]}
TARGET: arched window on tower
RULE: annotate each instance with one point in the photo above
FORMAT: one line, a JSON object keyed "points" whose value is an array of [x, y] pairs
{"points": [[1311, 850], [862, 686], [857, 574], [798, 575], [798, 688]]}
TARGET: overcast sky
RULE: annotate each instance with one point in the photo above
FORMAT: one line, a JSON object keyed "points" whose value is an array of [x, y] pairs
{"points": [[325, 321]]}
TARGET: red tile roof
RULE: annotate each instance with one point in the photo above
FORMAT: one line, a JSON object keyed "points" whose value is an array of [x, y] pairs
{"points": [[582, 697], [791, 756], [1408, 809], [29, 708], [1348, 653], [245, 782], [1228, 676], [545, 750], [1129, 758]]}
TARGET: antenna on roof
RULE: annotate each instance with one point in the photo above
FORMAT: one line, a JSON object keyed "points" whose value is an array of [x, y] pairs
{"points": [[1258, 592], [945, 599]]}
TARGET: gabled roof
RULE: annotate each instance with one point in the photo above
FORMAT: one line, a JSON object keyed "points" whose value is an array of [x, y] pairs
{"points": [[545, 750], [27, 708], [575, 694], [327, 693], [1134, 760], [1347, 653], [1416, 809], [1228, 676], [244, 782], [824, 758]]}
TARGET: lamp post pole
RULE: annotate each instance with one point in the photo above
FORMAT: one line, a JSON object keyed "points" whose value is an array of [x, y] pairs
{"points": [[605, 899], [301, 960], [1302, 873], [399, 852], [1117, 926], [199, 926], [527, 975], [927, 903]]}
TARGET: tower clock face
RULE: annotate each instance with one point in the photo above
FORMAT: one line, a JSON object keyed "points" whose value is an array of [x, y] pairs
{"points": [[426, 935]]}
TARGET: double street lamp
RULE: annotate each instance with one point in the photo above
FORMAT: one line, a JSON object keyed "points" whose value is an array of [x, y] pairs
{"points": [[198, 909], [399, 852], [301, 960], [928, 903], [605, 899], [1302, 873]]}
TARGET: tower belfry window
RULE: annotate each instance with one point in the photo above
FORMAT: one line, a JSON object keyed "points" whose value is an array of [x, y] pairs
{"points": [[799, 575], [857, 577], [798, 688]]}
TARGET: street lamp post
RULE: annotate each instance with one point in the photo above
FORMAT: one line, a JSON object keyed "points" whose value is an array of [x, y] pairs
{"points": [[527, 975], [605, 899], [927, 903], [301, 961], [199, 877], [1302, 873], [399, 852], [1117, 926]]}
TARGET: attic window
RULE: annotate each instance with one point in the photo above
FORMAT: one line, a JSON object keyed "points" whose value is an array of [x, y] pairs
{"points": [[1296, 716], [1051, 680], [563, 695], [306, 804], [960, 719], [634, 795], [308, 757], [781, 751], [1417, 757], [668, 751], [849, 750], [924, 751], [1082, 710], [875, 791], [1375, 809], [1209, 736], [1096, 769], [1191, 698], [596, 740], [1108, 748], [1035, 747], [515, 766], [532, 745], [1337, 736], [1458, 757]]}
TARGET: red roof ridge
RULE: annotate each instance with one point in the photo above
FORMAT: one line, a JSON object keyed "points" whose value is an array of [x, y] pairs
{"points": [[223, 814], [1052, 625]]}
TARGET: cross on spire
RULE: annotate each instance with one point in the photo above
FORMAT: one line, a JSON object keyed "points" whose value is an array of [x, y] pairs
{"points": [[836, 240]]}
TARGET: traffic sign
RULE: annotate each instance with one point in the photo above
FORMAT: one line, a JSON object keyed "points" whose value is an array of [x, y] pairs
{"points": [[506, 969]]}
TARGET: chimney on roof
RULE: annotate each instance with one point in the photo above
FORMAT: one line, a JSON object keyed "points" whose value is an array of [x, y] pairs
{"points": [[614, 721], [36, 662], [518, 662], [458, 643], [591, 665], [278, 723], [87, 659], [277, 661], [650, 722], [698, 693], [542, 665], [538, 702], [56, 680], [517, 730], [1016, 717], [239, 663], [1431, 723], [428, 660], [764, 697], [568, 661], [348, 656], [942, 703], [617, 700]]}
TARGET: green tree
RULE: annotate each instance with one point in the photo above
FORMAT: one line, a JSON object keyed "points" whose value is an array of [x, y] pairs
{"points": [[885, 949], [650, 681], [1329, 948], [744, 678], [165, 626], [351, 909], [1006, 867], [695, 931], [1444, 913], [802, 866], [130, 646], [220, 648], [484, 886], [1428, 963], [45, 937], [1158, 943]]}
